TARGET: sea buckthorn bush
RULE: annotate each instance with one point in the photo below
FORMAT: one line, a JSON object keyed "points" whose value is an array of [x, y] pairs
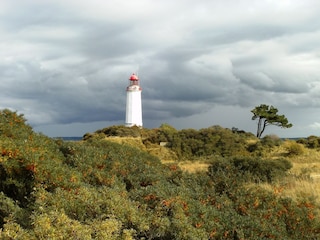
{"points": [[250, 169], [271, 141], [97, 189], [294, 148]]}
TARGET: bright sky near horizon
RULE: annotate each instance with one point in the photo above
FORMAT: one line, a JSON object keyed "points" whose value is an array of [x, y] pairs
{"points": [[65, 64]]}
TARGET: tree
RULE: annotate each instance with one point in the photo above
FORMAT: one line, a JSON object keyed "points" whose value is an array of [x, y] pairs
{"points": [[268, 115]]}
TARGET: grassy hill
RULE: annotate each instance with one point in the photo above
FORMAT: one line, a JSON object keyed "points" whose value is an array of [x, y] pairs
{"points": [[122, 183]]}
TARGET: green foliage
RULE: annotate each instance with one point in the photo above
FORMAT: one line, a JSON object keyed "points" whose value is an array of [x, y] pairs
{"points": [[312, 142], [263, 145], [271, 141], [96, 189], [246, 169], [121, 131], [185, 143], [188, 143], [268, 115], [293, 148], [8, 207]]}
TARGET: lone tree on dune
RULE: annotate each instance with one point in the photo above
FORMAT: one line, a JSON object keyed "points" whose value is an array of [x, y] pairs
{"points": [[268, 115]]}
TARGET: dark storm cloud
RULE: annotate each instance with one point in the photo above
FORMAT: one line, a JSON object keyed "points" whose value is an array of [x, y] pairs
{"points": [[108, 41], [64, 62]]}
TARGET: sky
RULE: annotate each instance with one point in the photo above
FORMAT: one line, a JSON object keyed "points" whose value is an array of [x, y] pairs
{"points": [[65, 65]]}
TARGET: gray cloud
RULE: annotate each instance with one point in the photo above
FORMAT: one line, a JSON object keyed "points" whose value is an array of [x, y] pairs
{"points": [[67, 63]]}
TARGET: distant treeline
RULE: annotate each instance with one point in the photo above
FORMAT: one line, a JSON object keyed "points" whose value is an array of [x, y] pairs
{"points": [[211, 141], [189, 143]]}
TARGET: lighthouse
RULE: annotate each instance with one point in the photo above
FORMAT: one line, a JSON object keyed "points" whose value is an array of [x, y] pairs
{"points": [[133, 107]]}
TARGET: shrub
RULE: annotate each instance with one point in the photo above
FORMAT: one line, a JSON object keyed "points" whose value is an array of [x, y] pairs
{"points": [[313, 142], [97, 189], [250, 169], [293, 148], [302, 141], [271, 141], [120, 131], [8, 208]]}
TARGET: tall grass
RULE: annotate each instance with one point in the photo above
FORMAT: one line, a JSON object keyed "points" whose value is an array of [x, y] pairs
{"points": [[303, 179]]}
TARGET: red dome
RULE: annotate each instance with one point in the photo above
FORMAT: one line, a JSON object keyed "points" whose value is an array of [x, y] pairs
{"points": [[133, 77]]}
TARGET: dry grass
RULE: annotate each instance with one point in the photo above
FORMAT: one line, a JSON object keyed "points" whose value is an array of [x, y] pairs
{"points": [[308, 156], [163, 153], [294, 189], [189, 166], [304, 177], [312, 169], [298, 188], [306, 164], [193, 167], [132, 141]]}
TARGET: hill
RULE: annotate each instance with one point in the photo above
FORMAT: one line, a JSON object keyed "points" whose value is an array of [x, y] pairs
{"points": [[107, 187]]}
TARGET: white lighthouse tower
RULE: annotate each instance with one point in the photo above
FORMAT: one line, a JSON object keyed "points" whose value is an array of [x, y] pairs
{"points": [[134, 108]]}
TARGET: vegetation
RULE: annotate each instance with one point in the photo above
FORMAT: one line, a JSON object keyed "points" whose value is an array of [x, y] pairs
{"points": [[100, 189], [268, 115]]}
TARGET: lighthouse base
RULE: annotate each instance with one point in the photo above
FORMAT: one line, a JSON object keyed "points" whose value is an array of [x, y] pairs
{"points": [[132, 125]]}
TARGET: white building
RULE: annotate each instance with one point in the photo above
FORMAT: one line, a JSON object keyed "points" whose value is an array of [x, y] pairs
{"points": [[134, 108]]}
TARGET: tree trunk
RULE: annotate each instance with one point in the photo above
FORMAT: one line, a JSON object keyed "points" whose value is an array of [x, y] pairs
{"points": [[261, 127]]}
